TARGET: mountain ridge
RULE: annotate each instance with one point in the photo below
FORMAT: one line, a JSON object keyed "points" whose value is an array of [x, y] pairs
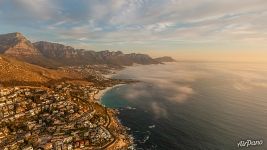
{"points": [[48, 54]]}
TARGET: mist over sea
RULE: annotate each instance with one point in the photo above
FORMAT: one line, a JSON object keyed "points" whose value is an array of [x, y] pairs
{"points": [[193, 105]]}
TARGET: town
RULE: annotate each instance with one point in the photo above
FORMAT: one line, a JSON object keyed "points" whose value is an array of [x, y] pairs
{"points": [[63, 117]]}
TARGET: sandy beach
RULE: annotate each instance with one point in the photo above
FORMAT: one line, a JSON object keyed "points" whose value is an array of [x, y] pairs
{"points": [[100, 93]]}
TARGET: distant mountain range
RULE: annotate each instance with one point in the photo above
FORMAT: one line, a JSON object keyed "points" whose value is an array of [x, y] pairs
{"points": [[49, 54], [164, 59]]}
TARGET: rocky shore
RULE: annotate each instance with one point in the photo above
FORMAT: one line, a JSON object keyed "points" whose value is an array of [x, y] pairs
{"points": [[123, 139]]}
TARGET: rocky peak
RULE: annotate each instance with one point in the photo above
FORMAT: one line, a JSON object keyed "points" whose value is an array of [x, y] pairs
{"points": [[13, 35], [16, 44], [17, 34]]}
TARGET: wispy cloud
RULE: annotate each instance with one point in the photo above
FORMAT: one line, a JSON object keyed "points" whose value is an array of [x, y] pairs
{"points": [[172, 82], [158, 110], [24, 10], [140, 21], [244, 77]]}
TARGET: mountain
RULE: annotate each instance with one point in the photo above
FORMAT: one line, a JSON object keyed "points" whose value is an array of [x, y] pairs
{"points": [[165, 59], [53, 55], [13, 71], [17, 45], [70, 56]]}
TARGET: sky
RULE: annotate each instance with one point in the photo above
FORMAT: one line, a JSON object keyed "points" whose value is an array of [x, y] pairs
{"points": [[225, 30]]}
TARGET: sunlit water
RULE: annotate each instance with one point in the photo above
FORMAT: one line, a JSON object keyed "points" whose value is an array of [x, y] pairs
{"points": [[193, 105]]}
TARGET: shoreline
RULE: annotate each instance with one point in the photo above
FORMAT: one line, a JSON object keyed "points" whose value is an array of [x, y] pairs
{"points": [[124, 139], [101, 93]]}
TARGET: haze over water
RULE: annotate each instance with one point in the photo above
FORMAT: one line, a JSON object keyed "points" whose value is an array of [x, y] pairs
{"points": [[193, 105]]}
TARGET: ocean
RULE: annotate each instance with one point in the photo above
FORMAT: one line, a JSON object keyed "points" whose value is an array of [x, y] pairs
{"points": [[193, 106]]}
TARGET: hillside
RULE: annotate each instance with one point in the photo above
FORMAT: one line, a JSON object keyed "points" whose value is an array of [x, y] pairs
{"points": [[14, 72]]}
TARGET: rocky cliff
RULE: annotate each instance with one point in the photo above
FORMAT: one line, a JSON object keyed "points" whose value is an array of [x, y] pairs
{"points": [[16, 44], [73, 56], [54, 55]]}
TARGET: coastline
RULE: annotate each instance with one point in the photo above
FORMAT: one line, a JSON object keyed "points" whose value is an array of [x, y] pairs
{"points": [[123, 139], [101, 93]]}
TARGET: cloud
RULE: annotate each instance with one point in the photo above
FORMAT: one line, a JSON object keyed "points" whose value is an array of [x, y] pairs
{"points": [[161, 85], [182, 94], [173, 82], [158, 110], [244, 76], [30, 9], [136, 91], [141, 23], [181, 83], [159, 27], [250, 80]]}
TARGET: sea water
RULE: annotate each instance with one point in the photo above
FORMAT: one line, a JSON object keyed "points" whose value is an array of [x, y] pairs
{"points": [[193, 105]]}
